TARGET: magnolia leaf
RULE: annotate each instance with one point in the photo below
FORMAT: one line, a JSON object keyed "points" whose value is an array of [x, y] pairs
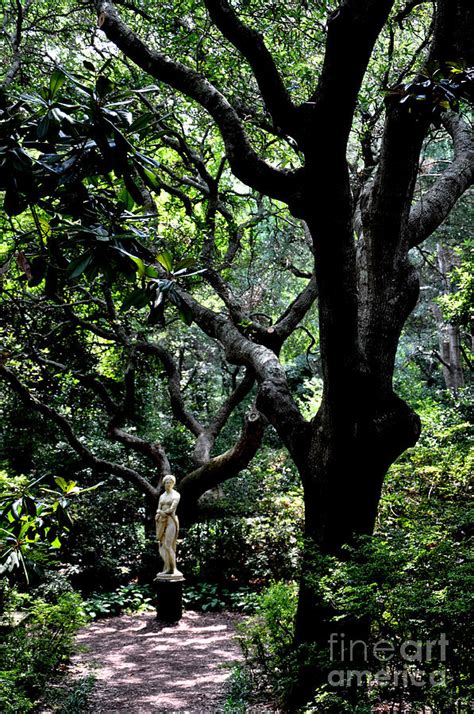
{"points": [[138, 298], [61, 482], [126, 198], [165, 259], [184, 264], [77, 266], [142, 122], [103, 86], [43, 127], [56, 82]]}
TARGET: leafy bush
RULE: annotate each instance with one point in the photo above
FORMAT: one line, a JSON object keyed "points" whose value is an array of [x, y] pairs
{"points": [[32, 653], [261, 542], [239, 689], [127, 598], [109, 538], [266, 641], [209, 597], [34, 520]]}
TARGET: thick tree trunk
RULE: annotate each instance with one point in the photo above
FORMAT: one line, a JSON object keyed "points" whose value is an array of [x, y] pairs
{"points": [[343, 482], [362, 426]]}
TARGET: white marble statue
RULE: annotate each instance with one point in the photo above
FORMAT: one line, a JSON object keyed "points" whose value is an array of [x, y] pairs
{"points": [[167, 527]]}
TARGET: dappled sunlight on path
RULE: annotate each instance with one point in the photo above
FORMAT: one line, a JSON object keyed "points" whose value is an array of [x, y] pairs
{"points": [[143, 666]]}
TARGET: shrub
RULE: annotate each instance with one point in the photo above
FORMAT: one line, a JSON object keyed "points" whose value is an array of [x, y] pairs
{"points": [[32, 653], [209, 597], [266, 641], [71, 698]]}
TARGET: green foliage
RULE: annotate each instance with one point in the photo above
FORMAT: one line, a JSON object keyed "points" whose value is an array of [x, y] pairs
{"points": [[31, 653], [34, 519], [127, 598], [404, 580], [108, 544], [457, 305], [240, 690], [436, 91], [209, 597], [326, 702], [266, 641], [262, 541], [73, 698]]}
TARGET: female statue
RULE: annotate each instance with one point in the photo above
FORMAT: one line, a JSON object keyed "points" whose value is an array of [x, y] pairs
{"points": [[167, 526]]}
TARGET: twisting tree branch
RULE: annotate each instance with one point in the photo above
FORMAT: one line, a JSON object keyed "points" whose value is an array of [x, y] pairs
{"points": [[251, 45], [274, 398], [74, 441], [439, 200], [245, 162], [226, 465], [295, 312]]}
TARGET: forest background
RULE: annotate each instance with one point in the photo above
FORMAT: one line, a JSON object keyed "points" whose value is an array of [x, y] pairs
{"points": [[210, 267]]}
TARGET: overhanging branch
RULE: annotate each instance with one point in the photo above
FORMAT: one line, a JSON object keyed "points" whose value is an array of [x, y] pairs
{"points": [[245, 162], [74, 441], [226, 465], [439, 200], [251, 45]]}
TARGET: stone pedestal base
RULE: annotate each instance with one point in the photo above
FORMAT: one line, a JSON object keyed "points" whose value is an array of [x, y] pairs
{"points": [[169, 595]]}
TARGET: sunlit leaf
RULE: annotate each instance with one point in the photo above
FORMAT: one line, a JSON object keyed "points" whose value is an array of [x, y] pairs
{"points": [[165, 259], [56, 82]]}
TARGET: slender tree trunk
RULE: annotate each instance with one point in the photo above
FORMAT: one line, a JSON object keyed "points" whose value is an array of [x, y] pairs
{"points": [[448, 335]]}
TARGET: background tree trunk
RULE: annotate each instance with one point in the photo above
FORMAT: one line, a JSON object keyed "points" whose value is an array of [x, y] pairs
{"points": [[448, 334]]}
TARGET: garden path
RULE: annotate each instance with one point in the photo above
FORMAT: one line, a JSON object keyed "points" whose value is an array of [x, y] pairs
{"points": [[143, 666]]}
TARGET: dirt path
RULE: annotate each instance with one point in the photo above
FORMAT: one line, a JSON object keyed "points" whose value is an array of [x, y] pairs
{"points": [[143, 666]]}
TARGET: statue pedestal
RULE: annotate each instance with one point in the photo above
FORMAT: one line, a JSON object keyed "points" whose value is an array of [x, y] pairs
{"points": [[169, 594]]}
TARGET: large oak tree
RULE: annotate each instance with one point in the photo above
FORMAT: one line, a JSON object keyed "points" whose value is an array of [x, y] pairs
{"points": [[362, 226]]}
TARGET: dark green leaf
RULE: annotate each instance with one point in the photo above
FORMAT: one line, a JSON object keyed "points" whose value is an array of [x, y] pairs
{"points": [[77, 266], [126, 199], [16, 508], [138, 298], [185, 314], [185, 263], [103, 86], [42, 130], [141, 122], [38, 270], [30, 505], [157, 314]]}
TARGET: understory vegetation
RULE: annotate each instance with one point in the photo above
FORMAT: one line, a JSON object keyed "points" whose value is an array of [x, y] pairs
{"points": [[413, 579]]}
